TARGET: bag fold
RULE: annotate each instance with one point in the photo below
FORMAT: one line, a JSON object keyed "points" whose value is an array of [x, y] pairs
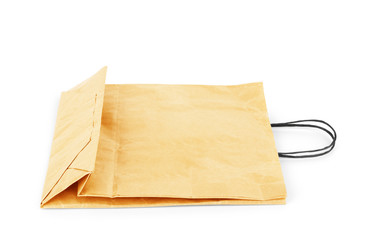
{"points": [[76, 136]]}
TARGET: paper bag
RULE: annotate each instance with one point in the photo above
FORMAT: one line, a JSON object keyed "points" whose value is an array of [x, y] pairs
{"points": [[138, 145]]}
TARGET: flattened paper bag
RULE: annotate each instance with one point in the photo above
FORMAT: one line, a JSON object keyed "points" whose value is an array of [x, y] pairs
{"points": [[154, 145]]}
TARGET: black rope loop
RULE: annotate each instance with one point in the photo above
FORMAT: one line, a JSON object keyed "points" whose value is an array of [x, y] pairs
{"points": [[308, 123]]}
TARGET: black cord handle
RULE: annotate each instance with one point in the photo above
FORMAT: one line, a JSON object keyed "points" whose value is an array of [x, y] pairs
{"points": [[308, 123]]}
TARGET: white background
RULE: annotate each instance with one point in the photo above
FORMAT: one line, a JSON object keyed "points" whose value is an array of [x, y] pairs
{"points": [[314, 57]]}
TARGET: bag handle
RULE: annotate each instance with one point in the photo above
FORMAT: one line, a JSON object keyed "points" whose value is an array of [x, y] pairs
{"points": [[312, 123]]}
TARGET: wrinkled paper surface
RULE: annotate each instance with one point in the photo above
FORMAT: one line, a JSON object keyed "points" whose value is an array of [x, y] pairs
{"points": [[138, 145]]}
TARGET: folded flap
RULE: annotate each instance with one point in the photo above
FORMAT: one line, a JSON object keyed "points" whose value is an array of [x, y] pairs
{"points": [[76, 135]]}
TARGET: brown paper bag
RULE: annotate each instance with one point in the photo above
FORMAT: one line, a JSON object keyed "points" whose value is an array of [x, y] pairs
{"points": [[157, 145]]}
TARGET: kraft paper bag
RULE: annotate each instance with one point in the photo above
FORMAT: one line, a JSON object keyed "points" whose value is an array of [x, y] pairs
{"points": [[138, 145]]}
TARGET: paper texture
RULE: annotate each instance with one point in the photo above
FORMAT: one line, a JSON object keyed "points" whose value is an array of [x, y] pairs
{"points": [[158, 145]]}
